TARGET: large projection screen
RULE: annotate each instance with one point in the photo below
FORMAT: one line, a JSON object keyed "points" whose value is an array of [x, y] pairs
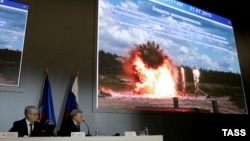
{"points": [[13, 20], [166, 56]]}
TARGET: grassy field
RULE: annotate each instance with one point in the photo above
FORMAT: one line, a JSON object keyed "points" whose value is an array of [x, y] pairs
{"points": [[9, 66], [214, 90]]}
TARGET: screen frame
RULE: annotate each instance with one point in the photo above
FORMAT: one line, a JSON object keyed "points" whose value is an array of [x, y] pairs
{"points": [[20, 6], [202, 13]]}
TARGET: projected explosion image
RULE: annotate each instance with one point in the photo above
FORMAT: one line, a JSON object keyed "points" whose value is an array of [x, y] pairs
{"points": [[152, 71], [149, 80], [162, 57]]}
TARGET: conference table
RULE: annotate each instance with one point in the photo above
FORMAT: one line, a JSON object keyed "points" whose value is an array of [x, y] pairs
{"points": [[91, 138]]}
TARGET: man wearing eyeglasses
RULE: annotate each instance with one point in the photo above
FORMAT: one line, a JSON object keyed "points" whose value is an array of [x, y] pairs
{"points": [[30, 125]]}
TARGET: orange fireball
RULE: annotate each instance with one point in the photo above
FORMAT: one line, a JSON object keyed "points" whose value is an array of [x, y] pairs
{"points": [[152, 70]]}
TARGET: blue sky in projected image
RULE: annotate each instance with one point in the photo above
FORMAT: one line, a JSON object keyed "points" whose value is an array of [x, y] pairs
{"points": [[12, 28], [118, 32]]}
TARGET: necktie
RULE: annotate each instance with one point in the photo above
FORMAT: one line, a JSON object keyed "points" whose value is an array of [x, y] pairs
{"points": [[30, 128], [78, 128]]}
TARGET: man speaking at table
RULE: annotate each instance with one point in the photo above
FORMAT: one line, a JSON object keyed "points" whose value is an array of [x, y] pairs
{"points": [[72, 124], [30, 126]]}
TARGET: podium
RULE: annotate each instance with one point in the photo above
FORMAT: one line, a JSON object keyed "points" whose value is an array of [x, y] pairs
{"points": [[92, 138]]}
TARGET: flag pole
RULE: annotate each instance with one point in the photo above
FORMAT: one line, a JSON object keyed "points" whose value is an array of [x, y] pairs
{"points": [[76, 77], [41, 95]]}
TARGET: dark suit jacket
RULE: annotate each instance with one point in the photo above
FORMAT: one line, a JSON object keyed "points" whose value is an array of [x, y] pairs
{"points": [[39, 129], [67, 127]]}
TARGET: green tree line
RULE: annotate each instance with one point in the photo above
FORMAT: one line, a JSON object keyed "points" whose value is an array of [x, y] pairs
{"points": [[109, 64]]}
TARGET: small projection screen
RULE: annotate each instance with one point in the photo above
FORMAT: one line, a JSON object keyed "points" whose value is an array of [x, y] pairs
{"points": [[166, 56], [13, 20]]}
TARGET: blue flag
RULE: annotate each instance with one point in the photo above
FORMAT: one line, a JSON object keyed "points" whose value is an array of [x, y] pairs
{"points": [[72, 102], [46, 107]]}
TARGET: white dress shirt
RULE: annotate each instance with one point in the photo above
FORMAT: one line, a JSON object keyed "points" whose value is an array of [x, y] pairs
{"points": [[28, 127]]}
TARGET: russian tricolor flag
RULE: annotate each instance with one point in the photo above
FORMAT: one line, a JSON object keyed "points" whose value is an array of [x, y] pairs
{"points": [[73, 101]]}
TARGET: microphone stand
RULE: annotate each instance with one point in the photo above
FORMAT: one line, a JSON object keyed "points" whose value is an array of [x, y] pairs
{"points": [[87, 127]]}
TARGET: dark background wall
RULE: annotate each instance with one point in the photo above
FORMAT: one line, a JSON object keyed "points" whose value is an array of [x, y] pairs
{"points": [[61, 36]]}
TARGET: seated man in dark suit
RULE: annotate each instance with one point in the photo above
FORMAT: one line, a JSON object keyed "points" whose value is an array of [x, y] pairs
{"points": [[72, 124], [30, 125]]}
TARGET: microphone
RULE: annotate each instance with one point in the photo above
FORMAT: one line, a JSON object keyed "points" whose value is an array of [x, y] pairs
{"points": [[87, 127]]}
